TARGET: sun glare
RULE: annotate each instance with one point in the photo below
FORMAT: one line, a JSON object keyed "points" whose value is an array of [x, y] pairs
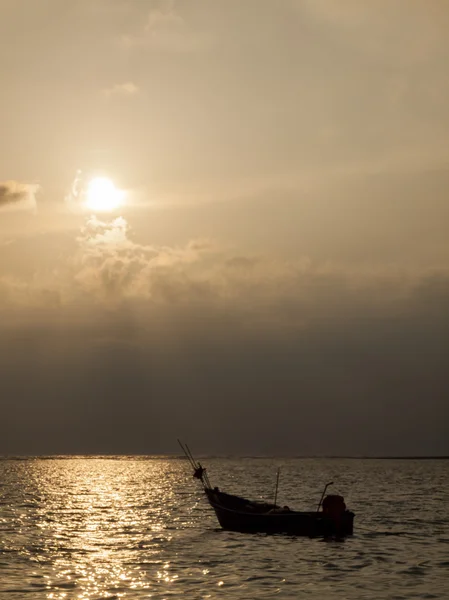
{"points": [[102, 195]]}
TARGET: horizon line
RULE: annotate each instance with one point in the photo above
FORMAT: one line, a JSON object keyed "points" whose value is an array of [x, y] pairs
{"points": [[108, 455]]}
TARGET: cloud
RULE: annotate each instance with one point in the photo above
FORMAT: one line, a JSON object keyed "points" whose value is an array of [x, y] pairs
{"points": [[18, 196], [122, 89], [193, 339], [107, 267], [178, 338], [166, 30]]}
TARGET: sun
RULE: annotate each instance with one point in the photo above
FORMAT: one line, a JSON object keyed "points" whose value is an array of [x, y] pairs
{"points": [[102, 195]]}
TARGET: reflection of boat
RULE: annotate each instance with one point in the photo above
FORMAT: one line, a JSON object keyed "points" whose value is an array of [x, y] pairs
{"points": [[239, 514]]}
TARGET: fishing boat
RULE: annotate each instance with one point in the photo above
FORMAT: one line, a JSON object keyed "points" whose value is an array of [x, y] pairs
{"points": [[235, 513]]}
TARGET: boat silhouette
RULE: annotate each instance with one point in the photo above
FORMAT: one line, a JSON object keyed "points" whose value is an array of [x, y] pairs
{"points": [[236, 513]]}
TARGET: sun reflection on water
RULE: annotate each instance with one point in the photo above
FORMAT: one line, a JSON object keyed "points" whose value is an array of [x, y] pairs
{"points": [[94, 522]]}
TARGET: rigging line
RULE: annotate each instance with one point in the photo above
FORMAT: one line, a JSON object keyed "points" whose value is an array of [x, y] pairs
{"points": [[191, 455], [191, 461]]}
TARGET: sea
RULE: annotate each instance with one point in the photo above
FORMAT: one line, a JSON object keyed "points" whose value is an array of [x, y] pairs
{"points": [[92, 527]]}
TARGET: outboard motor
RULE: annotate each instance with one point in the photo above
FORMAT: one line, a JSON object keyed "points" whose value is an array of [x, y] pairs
{"points": [[334, 508]]}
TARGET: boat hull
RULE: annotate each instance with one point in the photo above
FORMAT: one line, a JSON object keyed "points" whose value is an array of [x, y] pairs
{"points": [[237, 514]]}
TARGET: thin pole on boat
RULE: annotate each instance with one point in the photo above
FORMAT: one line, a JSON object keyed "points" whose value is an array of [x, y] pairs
{"points": [[322, 495], [277, 485]]}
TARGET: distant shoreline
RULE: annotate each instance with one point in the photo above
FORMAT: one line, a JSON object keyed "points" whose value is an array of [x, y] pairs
{"points": [[387, 457]]}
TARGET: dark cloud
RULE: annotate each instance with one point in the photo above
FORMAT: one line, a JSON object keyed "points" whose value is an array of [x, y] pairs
{"points": [[17, 195], [132, 380], [11, 192], [236, 353]]}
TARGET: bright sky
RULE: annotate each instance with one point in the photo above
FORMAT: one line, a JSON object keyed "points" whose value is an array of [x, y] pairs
{"points": [[222, 221]]}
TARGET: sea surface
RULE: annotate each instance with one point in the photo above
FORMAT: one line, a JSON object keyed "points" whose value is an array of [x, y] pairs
{"points": [[139, 527]]}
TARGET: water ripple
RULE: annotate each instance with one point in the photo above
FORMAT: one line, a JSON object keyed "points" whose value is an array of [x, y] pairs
{"points": [[139, 527]]}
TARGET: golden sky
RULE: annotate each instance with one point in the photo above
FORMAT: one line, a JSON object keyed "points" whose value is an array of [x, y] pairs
{"points": [[280, 252]]}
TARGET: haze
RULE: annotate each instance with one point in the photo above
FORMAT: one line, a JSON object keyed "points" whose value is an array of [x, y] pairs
{"points": [[276, 280]]}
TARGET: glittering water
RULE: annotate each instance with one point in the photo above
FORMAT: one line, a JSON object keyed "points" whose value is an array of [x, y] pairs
{"points": [[130, 527]]}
